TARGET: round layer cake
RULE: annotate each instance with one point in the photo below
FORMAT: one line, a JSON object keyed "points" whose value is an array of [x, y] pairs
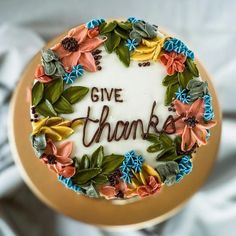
{"points": [[118, 109]]}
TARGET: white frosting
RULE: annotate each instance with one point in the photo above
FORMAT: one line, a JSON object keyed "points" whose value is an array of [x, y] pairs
{"points": [[141, 86]]}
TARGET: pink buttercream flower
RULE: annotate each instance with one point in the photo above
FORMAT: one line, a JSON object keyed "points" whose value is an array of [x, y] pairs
{"points": [[58, 158], [190, 124], [173, 61], [76, 47], [152, 187], [41, 76]]}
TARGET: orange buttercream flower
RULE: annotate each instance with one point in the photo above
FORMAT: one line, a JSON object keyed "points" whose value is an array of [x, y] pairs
{"points": [[191, 125], [173, 61], [76, 47], [58, 158]]}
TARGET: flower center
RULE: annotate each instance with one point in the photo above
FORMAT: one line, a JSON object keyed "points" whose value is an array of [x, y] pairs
{"points": [[51, 159], [70, 44], [191, 121]]}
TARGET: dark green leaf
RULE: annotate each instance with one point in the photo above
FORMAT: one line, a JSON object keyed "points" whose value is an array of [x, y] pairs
{"points": [[111, 163], [97, 157], [37, 93], [108, 27], [184, 78], [153, 138], [125, 25], [75, 94], [192, 67], [85, 162], [169, 79], [162, 156], [45, 108], [83, 176], [123, 53], [54, 90], [166, 140], [62, 106], [122, 33], [112, 42], [170, 93], [100, 179], [155, 148]]}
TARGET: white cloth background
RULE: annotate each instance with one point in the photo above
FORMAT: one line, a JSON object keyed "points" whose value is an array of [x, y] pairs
{"points": [[210, 28]]}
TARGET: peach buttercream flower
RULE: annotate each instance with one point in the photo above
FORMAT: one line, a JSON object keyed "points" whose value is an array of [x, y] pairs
{"points": [[58, 158], [173, 61], [191, 125], [41, 76], [76, 47]]}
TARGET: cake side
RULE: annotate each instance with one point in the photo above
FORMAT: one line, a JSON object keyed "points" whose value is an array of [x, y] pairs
{"points": [[130, 103]]}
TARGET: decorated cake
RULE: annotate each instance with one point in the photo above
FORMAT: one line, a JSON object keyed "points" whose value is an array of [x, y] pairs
{"points": [[118, 109]]}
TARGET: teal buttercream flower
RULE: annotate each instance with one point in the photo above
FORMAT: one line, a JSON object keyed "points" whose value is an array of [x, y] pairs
{"points": [[178, 46], [131, 44], [94, 23], [185, 167], [208, 113], [76, 72], [132, 161], [132, 19], [182, 95], [69, 184]]}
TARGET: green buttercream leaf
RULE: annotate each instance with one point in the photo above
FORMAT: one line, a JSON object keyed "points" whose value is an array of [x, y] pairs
{"points": [[111, 163], [54, 90], [48, 55], [155, 147], [62, 106], [39, 144], [112, 42], [169, 79], [192, 67], [90, 191], [37, 93], [49, 68], [153, 138], [166, 140], [100, 179], [45, 108], [108, 27], [184, 78], [75, 94], [85, 175], [125, 25], [121, 33], [170, 93], [97, 157], [165, 153], [85, 162], [123, 53]]}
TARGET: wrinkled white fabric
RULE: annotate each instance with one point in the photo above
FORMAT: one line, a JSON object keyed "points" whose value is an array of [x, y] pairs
{"points": [[209, 28]]}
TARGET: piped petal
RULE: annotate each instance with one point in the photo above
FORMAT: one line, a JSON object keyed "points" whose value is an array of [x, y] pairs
{"points": [[87, 61], [188, 140], [90, 44]]}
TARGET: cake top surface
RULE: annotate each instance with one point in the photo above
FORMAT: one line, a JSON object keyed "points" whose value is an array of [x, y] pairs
{"points": [[118, 108]]}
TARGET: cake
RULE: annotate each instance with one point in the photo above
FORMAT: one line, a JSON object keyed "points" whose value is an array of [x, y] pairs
{"points": [[118, 109]]}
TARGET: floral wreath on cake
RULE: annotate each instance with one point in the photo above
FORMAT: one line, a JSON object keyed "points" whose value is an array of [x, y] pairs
{"points": [[112, 175]]}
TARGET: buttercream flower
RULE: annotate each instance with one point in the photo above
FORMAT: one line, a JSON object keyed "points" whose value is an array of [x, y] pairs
{"points": [[41, 76], [152, 187], [76, 47], [58, 158], [120, 190], [191, 125], [173, 61]]}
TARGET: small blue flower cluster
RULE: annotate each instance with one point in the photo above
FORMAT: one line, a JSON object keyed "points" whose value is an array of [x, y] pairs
{"points": [[94, 23], [76, 72], [132, 19], [185, 167], [131, 44], [178, 46], [69, 184], [182, 96], [208, 113], [131, 162]]}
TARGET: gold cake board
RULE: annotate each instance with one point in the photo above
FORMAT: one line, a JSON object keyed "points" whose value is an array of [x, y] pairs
{"points": [[103, 213]]}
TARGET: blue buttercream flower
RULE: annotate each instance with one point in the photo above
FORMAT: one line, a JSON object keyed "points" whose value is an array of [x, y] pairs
{"points": [[132, 161], [182, 96], [185, 167], [178, 46], [76, 72], [131, 44], [69, 184], [94, 23], [132, 19], [208, 113]]}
